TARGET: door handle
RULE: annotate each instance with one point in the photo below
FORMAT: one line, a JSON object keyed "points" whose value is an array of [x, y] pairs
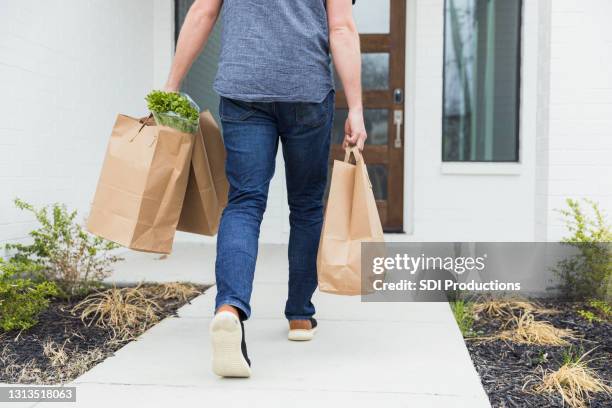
{"points": [[398, 120]]}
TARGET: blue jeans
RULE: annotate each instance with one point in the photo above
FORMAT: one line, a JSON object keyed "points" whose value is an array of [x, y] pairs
{"points": [[251, 131]]}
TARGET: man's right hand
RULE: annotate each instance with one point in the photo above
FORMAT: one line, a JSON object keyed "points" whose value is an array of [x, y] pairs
{"points": [[354, 130]]}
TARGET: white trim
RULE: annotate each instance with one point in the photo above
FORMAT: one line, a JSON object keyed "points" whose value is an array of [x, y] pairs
{"points": [[409, 115], [482, 169], [541, 15], [533, 103], [399, 237]]}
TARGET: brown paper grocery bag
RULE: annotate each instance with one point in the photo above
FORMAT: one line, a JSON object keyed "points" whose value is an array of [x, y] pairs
{"points": [[207, 188], [142, 185], [351, 217], [213, 143]]}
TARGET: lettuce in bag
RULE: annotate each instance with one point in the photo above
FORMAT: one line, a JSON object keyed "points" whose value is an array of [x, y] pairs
{"points": [[175, 110]]}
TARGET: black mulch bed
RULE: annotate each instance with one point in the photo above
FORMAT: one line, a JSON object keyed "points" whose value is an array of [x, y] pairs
{"points": [[57, 324], [505, 367]]}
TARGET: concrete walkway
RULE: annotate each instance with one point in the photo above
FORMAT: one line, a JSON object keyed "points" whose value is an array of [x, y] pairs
{"points": [[364, 354]]}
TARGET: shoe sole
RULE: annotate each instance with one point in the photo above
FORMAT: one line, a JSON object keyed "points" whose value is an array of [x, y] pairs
{"points": [[226, 338], [301, 334]]}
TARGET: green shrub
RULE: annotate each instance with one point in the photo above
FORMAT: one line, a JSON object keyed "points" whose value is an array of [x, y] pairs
{"points": [[22, 298], [587, 274], [174, 110], [68, 255]]}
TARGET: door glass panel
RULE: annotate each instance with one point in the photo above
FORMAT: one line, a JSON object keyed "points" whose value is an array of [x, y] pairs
{"points": [[378, 178], [376, 121], [372, 16], [374, 72]]}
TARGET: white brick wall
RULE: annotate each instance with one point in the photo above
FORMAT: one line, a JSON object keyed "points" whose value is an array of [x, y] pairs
{"points": [[580, 111], [67, 67]]}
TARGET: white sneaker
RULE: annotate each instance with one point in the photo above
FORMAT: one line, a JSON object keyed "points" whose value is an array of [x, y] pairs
{"points": [[303, 334], [229, 353]]}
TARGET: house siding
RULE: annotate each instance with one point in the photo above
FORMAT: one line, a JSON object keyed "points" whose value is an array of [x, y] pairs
{"points": [[67, 67], [579, 161]]}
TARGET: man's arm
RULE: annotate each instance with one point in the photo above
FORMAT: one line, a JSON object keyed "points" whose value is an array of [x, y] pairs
{"points": [[344, 43], [198, 24]]}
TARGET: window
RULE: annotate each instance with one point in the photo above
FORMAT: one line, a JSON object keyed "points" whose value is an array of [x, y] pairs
{"points": [[481, 80]]}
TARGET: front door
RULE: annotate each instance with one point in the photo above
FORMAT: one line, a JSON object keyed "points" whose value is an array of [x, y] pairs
{"points": [[381, 24]]}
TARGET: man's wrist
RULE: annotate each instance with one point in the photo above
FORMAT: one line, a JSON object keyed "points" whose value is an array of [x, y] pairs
{"points": [[172, 87], [356, 110]]}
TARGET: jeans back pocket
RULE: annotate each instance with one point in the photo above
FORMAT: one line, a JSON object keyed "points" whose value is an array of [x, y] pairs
{"points": [[234, 110], [314, 114]]}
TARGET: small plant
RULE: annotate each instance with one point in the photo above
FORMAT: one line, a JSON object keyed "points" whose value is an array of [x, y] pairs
{"points": [[22, 299], [464, 315], [596, 311], [588, 315], [174, 110], [589, 273], [602, 307], [68, 255], [572, 355], [542, 357], [539, 359]]}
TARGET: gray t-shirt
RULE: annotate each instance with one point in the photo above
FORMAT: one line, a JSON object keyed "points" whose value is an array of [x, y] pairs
{"points": [[274, 51]]}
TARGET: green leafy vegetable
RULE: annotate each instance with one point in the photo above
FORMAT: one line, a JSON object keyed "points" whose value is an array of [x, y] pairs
{"points": [[173, 110]]}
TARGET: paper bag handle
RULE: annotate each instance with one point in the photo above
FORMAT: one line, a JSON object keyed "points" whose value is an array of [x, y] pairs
{"points": [[144, 121], [356, 154], [358, 158]]}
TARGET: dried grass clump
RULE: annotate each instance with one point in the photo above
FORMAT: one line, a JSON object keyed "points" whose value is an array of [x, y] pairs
{"points": [[128, 312], [28, 373], [22, 373], [79, 363], [179, 291], [56, 354], [503, 308], [527, 330], [67, 365], [575, 382]]}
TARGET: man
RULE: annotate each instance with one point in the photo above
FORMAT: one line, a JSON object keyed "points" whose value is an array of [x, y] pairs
{"points": [[275, 82]]}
